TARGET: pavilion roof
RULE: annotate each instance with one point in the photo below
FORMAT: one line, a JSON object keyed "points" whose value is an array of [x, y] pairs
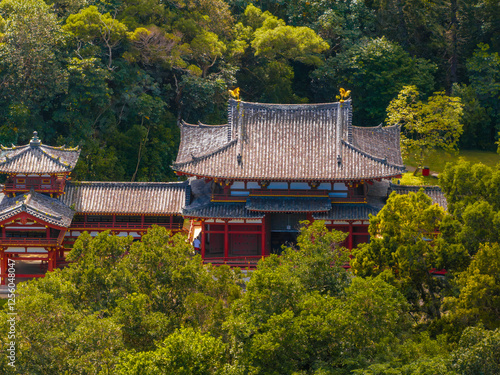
{"points": [[288, 204], [126, 197], [289, 143], [434, 192], [221, 211], [48, 210], [37, 158], [348, 212]]}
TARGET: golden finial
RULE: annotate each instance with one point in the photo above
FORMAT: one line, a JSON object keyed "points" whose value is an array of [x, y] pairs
{"points": [[235, 93], [343, 95]]}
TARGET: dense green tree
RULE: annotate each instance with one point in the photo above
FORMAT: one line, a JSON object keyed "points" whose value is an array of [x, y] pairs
{"points": [[90, 27], [479, 298], [478, 352], [375, 70], [274, 45], [32, 74], [406, 242], [300, 314], [184, 352], [426, 127], [483, 69]]}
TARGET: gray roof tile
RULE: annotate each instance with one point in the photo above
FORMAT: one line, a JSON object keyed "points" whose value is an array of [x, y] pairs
{"points": [[222, 211], [348, 212], [285, 204], [284, 142], [126, 197], [49, 210], [37, 158], [434, 192]]}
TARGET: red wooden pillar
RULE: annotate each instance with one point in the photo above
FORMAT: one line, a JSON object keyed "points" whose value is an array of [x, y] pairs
{"points": [[3, 266], [226, 240], [263, 237], [350, 236], [51, 260], [113, 221], [3, 231], [203, 239]]}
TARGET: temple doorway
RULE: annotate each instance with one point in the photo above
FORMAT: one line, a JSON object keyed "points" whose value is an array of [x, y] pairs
{"points": [[284, 230]]}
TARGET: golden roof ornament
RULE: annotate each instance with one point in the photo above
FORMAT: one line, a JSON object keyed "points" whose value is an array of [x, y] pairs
{"points": [[343, 95], [235, 93]]}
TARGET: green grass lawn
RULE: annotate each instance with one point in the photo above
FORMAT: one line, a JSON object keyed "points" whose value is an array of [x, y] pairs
{"points": [[437, 161], [410, 179]]}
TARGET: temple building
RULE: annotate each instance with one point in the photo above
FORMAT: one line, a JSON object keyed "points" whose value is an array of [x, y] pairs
{"points": [[42, 212], [250, 183], [272, 166]]}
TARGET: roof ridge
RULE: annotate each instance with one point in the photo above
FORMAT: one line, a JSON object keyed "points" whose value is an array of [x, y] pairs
{"points": [[14, 147], [379, 126], [375, 158], [14, 157], [61, 148], [289, 106], [202, 125]]}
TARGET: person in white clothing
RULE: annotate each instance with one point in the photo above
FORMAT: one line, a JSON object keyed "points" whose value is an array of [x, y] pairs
{"points": [[196, 245]]}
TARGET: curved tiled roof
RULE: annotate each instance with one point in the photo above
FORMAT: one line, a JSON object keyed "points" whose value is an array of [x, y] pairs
{"points": [[288, 204], [434, 192], [48, 210], [200, 140], [126, 197], [283, 142], [222, 211], [348, 212], [380, 142], [37, 158]]}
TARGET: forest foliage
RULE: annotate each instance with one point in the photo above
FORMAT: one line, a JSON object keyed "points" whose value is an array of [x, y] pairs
{"points": [[152, 307], [115, 77]]}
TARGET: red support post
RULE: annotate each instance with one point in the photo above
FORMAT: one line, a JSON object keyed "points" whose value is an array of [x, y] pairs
{"points": [[203, 240], [51, 261], [350, 236], [263, 238], [226, 240], [3, 266]]}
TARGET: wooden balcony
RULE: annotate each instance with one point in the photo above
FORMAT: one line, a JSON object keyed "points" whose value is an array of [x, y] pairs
{"points": [[44, 188], [288, 193], [24, 241]]}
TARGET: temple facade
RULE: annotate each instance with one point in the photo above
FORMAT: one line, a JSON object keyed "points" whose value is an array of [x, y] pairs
{"points": [[256, 178], [250, 183]]}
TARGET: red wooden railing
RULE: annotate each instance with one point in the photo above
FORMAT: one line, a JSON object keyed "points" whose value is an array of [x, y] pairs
{"points": [[19, 241], [285, 192], [245, 261], [9, 186]]}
